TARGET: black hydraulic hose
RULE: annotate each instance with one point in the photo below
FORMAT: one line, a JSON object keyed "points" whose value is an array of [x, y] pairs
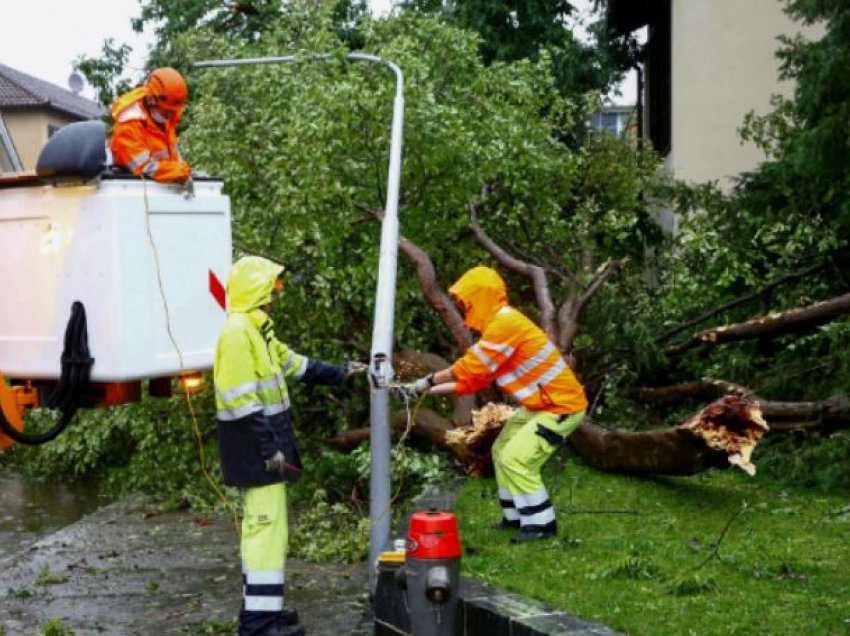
{"points": [[74, 378]]}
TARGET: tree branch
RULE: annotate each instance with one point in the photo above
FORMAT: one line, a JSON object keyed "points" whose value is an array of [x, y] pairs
{"points": [[827, 415], [704, 388], [770, 326], [536, 273], [434, 294], [431, 289], [739, 301], [570, 311]]}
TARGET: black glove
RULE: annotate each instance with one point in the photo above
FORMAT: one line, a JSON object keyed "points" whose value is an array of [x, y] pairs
{"points": [[276, 463]]}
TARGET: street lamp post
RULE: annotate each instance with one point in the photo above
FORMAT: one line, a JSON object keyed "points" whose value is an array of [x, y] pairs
{"points": [[380, 368]]}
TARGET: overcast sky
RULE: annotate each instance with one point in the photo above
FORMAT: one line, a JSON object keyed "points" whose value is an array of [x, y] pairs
{"points": [[44, 37]]}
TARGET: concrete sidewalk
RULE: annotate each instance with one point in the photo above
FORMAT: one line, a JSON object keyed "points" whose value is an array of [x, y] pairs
{"points": [[127, 570]]}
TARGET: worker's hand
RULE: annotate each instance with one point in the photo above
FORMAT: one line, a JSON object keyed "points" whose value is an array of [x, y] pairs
{"points": [[276, 463], [418, 388], [181, 172], [423, 384], [189, 186], [352, 367]]}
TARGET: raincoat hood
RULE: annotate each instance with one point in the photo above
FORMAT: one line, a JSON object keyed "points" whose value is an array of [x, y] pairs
{"points": [[137, 95], [126, 100], [251, 283], [483, 293]]}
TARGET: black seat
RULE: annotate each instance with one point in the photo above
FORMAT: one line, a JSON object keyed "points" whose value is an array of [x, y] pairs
{"points": [[75, 151]]}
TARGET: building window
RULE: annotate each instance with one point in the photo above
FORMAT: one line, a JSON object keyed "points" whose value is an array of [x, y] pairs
{"points": [[613, 120]]}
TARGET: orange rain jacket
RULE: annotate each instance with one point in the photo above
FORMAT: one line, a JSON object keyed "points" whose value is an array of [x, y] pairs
{"points": [[512, 350], [143, 146]]}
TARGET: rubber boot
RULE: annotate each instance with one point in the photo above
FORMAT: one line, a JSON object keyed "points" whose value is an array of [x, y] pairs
{"points": [[279, 629], [289, 623], [535, 533]]}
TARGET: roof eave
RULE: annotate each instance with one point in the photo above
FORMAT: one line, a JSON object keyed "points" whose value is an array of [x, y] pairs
{"points": [[56, 108]]}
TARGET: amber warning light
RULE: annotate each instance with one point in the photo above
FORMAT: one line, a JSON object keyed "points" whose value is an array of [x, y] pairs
{"points": [[191, 383]]}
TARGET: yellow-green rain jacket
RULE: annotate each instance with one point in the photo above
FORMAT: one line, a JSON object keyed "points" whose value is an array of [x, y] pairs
{"points": [[250, 372]]}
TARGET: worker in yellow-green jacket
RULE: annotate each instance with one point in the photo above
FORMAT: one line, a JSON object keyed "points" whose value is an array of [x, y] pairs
{"points": [[257, 443], [526, 366]]}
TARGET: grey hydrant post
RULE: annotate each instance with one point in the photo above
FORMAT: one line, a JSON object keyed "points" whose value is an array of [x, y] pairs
{"points": [[380, 368]]}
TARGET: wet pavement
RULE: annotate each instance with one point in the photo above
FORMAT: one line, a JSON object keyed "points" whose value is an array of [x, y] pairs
{"points": [[128, 569], [31, 508]]}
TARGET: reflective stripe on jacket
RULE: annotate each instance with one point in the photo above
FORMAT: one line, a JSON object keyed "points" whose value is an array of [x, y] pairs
{"points": [[250, 371], [141, 145], [525, 364], [513, 351]]}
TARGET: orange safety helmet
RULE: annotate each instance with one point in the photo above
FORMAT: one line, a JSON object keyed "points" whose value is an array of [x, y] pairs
{"points": [[167, 88]]}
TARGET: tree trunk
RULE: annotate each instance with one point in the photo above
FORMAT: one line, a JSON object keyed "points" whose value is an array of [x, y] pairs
{"points": [[720, 434], [670, 452]]}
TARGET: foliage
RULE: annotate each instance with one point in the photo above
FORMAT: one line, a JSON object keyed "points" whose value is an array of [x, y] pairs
{"points": [[639, 554], [512, 31], [328, 531], [633, 567], [809, 460], [302, 149], [239, 22], [692, 586], [105, 73], [46, 577], [789, 217], [149, 447], [305, 179], [56, 627]]}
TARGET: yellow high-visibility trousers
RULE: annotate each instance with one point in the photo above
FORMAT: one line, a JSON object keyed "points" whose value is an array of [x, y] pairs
{"points": [[527, 440], [265, 539]]}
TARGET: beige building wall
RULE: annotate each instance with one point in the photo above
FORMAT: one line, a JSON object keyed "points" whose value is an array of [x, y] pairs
{"points": [[30, 129], [723, 66]]}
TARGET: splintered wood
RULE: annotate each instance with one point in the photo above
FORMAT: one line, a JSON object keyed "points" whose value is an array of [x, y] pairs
{"points": [[474, 442], [732, 425]]}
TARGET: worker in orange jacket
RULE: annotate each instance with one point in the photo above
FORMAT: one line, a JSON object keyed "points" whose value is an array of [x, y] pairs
{"points": [[144, 137], [528, 367]]}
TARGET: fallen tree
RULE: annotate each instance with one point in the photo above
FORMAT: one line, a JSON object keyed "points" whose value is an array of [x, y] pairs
{"points": [[717, 435], [720, 435]]}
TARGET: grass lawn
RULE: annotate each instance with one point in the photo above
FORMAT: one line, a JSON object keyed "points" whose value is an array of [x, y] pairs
{"points": [[719, 553]]}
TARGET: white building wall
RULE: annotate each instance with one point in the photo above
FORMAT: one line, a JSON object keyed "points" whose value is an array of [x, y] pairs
{"points": [[723, 66]]}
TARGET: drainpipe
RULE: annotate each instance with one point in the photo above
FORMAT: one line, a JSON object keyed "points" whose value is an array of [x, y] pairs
{"points": [[639, 105]]}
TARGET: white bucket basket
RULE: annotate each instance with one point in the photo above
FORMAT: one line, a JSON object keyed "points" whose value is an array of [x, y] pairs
{"points": [[151, 277]]}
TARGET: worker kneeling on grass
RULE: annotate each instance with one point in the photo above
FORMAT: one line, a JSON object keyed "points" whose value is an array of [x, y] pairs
{"points": [[256, 440], [527, 367]]}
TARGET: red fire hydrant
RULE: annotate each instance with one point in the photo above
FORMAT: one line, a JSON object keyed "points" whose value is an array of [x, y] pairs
{"points": [[432, 573]]}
